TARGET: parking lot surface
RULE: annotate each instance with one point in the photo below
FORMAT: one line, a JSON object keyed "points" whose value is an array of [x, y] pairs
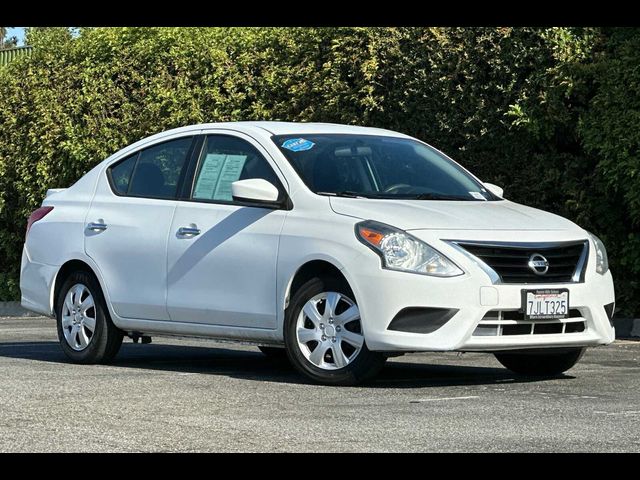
{"points": [[197, 395]]}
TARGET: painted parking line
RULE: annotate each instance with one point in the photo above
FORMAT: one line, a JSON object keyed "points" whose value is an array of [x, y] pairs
{"points": [[443, 399], [625, 413]]}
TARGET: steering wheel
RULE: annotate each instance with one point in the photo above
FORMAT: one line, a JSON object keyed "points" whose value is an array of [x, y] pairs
{"points": [[396, 186]]}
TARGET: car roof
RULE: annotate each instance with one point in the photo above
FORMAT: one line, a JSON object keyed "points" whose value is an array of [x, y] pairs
{"points": [[267, 128], [290, 128], [287, 128]]}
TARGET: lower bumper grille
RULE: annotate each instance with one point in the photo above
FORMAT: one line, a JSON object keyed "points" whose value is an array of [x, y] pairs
{"points": [[497, 323]]}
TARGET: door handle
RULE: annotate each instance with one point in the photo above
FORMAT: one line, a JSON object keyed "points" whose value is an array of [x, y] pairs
{"points": [[188, 231], [97, 226]]}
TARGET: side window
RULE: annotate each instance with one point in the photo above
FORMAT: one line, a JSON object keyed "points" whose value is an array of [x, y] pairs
{"points": [[153, 172], [224, 160], [121, 174]]}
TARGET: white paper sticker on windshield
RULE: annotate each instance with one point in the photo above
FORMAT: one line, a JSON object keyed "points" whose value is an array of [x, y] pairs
{"points": [[477, 195]]}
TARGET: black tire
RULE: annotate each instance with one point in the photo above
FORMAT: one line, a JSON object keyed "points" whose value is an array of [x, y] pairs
{"points": [[364, 367], [275, 353], [543, 362], [106, 339]]}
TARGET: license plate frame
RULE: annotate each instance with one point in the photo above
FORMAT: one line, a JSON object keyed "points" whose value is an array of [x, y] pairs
{"points": [[556, 292]]}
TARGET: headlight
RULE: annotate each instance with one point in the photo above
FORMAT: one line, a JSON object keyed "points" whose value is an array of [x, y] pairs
{"points": [[404, 252], [602, 262]]}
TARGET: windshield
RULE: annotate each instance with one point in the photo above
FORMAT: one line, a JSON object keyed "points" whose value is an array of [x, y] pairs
{"points": [[378, 167]]}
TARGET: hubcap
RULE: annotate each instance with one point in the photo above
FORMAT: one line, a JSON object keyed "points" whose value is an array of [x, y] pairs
{"points": [[78, 317], [329, 331]]}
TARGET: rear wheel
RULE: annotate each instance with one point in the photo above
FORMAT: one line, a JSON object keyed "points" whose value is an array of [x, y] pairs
{"points": [[324, 336], [543, 362], [85, 330]]}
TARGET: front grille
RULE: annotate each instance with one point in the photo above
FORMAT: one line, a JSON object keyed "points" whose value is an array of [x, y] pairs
{"points": [[510, 261], [498, 323]]}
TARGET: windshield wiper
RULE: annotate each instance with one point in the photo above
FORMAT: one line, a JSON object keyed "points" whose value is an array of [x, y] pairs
{"points": [[438, 196], [346, 193], [420, 196]]}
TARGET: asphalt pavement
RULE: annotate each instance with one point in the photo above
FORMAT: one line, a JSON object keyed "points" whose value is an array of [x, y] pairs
{"points": [[199, 395]]}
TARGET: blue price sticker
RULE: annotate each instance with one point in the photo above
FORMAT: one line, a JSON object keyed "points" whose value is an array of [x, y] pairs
{"points": [[298, 144]]}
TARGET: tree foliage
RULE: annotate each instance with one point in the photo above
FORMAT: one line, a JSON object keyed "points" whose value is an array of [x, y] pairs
{"points": [[550, 114], [5, 42]]}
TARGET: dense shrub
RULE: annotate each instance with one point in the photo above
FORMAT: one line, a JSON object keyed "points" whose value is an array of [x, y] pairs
{"points": [[550, 114]]}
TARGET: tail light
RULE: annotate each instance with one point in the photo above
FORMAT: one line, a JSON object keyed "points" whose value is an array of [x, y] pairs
{"points": [[38, 214]]}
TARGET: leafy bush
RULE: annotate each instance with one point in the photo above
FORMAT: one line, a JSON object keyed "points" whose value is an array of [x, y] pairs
{"points": [[610, 133], [550, 114]]}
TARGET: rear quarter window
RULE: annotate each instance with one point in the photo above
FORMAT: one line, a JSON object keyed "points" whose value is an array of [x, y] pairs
{"points": [[121, 174], [154, 172]]}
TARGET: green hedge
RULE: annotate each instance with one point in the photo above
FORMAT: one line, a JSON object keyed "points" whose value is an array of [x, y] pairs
{"points": [[550, 114]]}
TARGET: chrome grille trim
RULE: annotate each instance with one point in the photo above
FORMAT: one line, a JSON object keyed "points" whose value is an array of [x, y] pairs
{"points": [[520, 248]]}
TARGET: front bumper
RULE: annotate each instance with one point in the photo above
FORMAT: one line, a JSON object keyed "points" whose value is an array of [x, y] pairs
{"points": [[381, 294]]}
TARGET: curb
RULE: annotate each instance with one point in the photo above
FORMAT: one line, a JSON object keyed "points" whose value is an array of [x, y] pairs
{"points": [[628, 328], [14, 309]]}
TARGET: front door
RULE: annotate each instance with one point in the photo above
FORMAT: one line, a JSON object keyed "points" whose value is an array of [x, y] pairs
{"points": [[222, 255]]}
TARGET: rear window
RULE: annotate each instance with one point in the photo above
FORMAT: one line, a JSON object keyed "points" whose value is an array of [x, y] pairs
{"points": [[153, 172]]}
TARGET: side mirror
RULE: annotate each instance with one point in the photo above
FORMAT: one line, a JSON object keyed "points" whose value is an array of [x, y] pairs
{"points": [[495, 189], [254, 190]]}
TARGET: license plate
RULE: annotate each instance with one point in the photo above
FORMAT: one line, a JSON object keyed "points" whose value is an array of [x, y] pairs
{"points": [[545, 304]]}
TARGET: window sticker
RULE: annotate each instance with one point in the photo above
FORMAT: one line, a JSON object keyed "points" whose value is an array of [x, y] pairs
{"points": [[477, 195], [230, 173], [298, 144], [209, 174], [217, 174]]}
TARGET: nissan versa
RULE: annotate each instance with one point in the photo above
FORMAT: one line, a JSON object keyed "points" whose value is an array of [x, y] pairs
{"points": [[344, 245]]}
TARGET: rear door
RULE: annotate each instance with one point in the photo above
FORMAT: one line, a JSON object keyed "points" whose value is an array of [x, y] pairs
{"points": [[128, 225]]}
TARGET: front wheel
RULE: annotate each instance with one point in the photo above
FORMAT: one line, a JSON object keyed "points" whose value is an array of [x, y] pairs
{"points": [[543, 362], [324, 336]]}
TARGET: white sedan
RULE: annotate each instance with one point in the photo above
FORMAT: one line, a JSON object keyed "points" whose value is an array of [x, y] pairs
{"points": [[338, 245]]}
